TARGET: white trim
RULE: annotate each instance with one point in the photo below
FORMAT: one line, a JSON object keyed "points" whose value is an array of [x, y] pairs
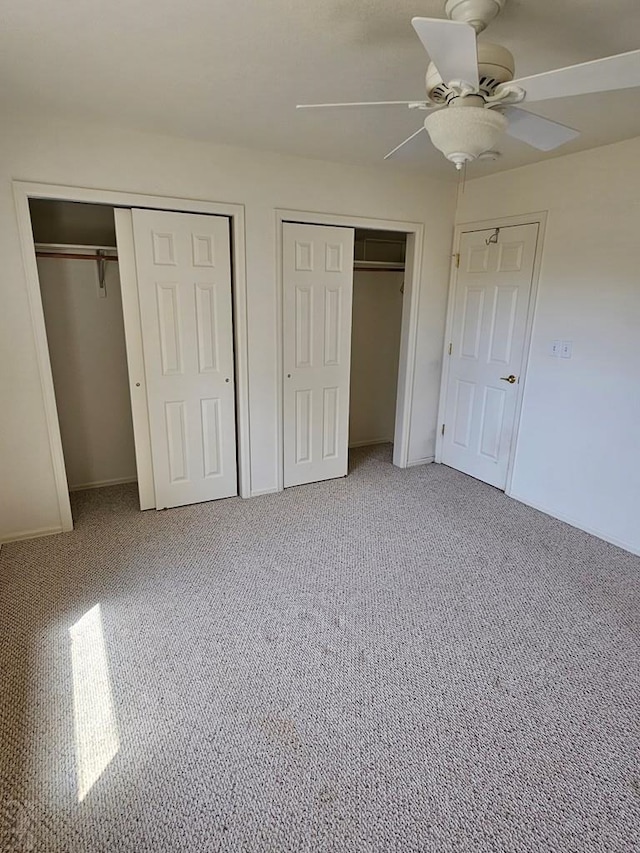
{"points": [[371, 442], [408, 347], [424, 461], [538, 218], [31, 534], [99, 484], [23, 191], [279, 220], [269, 491], [409, 332], [241, 345], [44, 365], [566, 519]]}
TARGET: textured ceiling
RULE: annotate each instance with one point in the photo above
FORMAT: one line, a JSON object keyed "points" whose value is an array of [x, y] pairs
{"points": [[231, 71]]}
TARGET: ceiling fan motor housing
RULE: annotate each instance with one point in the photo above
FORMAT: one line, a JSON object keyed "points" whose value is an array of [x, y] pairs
{"points": [[495, 66]]}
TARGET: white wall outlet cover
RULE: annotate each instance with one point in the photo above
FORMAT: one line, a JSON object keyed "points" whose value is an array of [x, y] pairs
{"points": [[556, 348], [566, 350]]}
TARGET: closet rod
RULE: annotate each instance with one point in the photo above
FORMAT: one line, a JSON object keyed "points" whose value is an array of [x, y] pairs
{"points": [[77, 257], [379, 269]]}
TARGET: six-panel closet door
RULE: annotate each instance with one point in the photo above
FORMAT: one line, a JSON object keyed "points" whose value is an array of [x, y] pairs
{"points": [[183, 268], [317, 296]]}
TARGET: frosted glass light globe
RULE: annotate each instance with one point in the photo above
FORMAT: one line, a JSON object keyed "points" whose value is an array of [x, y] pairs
{"points": [[463, 133]]}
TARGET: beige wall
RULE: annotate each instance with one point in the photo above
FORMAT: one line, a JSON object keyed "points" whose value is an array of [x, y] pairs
{"points": [[578, 454], [87, 155], [375, 350], [85, 334]]}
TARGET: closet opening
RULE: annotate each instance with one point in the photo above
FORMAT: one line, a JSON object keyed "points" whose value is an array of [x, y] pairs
{"points": [[349, 295], [183, 294], [378, 288], [79, 279], [138, 314]]}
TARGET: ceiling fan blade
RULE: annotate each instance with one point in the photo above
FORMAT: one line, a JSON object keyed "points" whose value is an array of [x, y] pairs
{"points": [[415, 104], [451, 46], [599, 75], [408, 139], [539, 132]]}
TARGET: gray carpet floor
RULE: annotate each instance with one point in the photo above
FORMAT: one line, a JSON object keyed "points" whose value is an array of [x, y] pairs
{"points": [[396, 661]]}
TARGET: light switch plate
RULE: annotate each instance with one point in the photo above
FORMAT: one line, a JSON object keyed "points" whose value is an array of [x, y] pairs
{"points": [[556, 349], [566, 349]]}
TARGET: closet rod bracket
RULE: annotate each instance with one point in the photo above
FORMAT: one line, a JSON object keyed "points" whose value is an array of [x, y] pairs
{"points": [[102, 287]]}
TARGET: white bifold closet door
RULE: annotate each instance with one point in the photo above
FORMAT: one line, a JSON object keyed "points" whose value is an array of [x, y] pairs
{"points": [[183, 268], [318, 293]]}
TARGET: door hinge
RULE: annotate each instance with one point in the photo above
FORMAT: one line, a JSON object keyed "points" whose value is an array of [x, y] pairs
{"points": [[450, 348], [442, 429], [457, 259]]}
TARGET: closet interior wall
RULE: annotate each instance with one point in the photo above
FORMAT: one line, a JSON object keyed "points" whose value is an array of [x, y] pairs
{"points": [[375, 338], [85, 334]]}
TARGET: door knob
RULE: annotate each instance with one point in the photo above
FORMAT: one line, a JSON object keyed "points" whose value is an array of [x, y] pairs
{"points": [[510, 379]]}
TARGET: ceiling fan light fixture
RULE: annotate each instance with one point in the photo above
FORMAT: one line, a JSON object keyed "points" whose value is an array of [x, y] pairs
{"points": [[463, 134], [474, 83]]}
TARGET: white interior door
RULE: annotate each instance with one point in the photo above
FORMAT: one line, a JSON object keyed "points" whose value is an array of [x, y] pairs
{"points": [[183, 265], [489, 322], [318, 293]]}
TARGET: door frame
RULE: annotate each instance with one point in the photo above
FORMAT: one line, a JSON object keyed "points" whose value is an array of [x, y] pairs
{"points": [[538, 218], [409, 327], [23, 191]]}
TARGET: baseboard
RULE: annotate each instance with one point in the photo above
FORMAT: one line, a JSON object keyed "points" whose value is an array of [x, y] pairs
{"points": [[573, 523], [269, 491], [30, 534], [424, 461], [99, 484], [370, 441]]}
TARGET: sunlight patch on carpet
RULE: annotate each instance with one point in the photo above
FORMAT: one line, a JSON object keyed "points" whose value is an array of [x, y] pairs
{"points": [[96, 728]]}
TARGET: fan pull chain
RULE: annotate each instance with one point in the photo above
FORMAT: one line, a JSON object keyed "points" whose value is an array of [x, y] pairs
{"points": [[462, 178]]}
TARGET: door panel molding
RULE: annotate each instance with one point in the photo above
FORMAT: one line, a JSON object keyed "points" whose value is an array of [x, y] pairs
{"points": [[538, 218]]}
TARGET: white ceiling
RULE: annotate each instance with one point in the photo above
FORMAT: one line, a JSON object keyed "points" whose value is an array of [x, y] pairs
{"points": [[231, 71]]}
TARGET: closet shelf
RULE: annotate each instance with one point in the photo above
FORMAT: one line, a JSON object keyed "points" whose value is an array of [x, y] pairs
{"points": [[76, 252], [381, 266]]}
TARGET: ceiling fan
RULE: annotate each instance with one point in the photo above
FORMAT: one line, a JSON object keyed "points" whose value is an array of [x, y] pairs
{"points": [[471, 91]]}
